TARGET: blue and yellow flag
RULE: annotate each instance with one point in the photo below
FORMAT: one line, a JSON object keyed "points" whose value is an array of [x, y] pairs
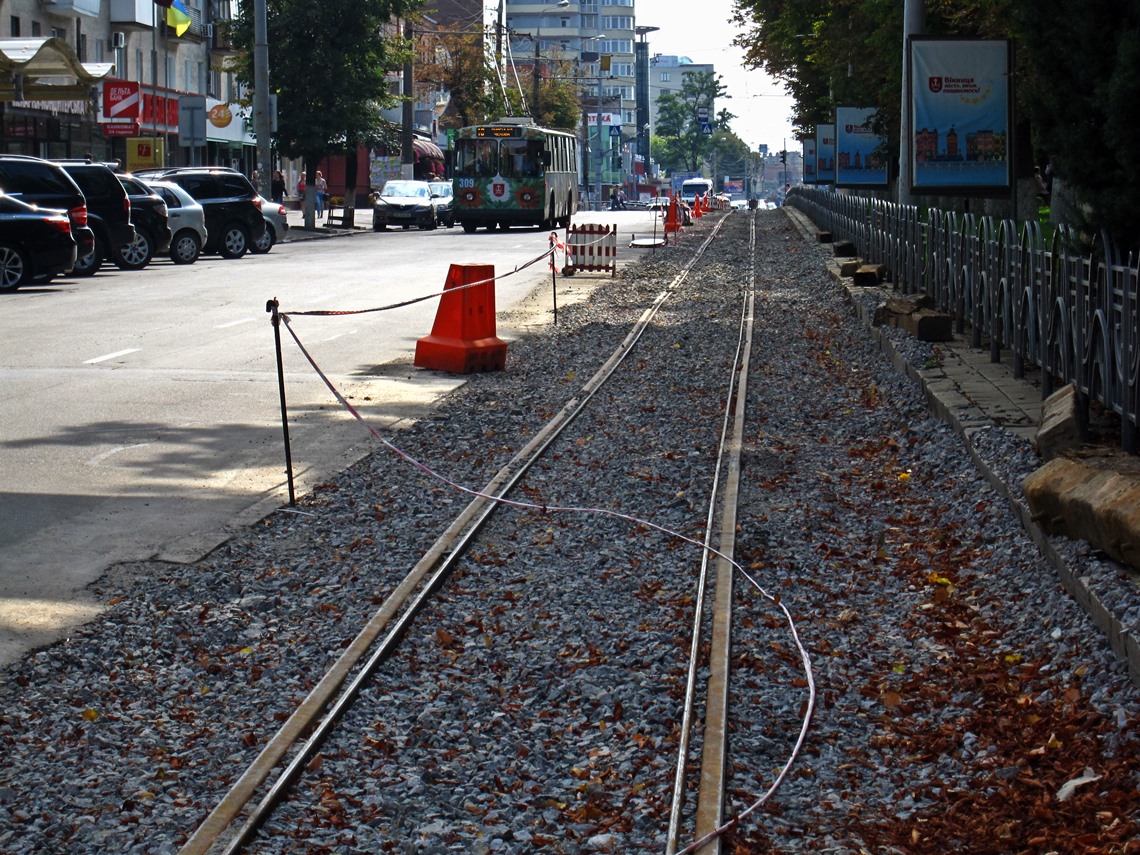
{"points": [[178, 17]]}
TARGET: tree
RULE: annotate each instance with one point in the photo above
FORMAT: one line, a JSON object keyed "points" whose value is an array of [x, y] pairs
{"points": [[329, 63], [679, 144], [459, 65]]}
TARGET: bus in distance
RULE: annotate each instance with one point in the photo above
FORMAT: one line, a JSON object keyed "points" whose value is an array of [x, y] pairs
{"points": [[514, 173]]}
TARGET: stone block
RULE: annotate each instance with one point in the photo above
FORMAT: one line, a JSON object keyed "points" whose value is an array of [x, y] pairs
{"points": [[1060, 428], [848, 267], [845, 249], [868, 275], [1044, 488], [823, 237], [928, 325]]}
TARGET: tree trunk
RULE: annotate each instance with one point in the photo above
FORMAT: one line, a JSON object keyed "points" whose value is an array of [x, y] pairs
{"points": [[350, 177]]}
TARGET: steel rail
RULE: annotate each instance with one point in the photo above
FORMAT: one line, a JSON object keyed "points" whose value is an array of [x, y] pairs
{"points": [[722, 504], [310, 716]]}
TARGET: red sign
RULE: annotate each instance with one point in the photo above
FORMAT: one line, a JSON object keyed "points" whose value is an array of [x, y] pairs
{"points": [[120, 129], [121, 100]]}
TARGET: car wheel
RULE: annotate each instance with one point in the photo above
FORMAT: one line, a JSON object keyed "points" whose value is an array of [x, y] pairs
{"points": [[88, 264], [14, 268], [431, 224], [468, 228], [235, 241], [379, 227], [137, 254], [264, 243], [185, 248]]}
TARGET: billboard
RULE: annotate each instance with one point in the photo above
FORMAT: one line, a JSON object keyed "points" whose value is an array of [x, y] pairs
{"points": [[961, 115], [859, 152], [809, 162], [824, 154]]}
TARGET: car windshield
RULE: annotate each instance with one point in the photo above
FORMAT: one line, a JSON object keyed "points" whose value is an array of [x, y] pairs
{"points": [[441, 189], [396, 188]]}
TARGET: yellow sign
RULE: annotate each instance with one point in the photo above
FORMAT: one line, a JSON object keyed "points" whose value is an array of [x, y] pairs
{"points": [[145, 153]]}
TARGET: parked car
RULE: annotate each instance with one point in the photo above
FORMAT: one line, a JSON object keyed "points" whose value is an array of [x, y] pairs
{"points": [[276, 226], [108, 212], [402, 202], [45, 184], [35, 243], [186, 218], [152, 227], [441, 192], [234, 221]]}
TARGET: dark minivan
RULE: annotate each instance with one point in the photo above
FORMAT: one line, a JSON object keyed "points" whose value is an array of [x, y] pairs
{"points": [[108, 212]]}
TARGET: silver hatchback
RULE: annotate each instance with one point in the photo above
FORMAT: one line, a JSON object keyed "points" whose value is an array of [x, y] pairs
{"points": [[187, 221]]}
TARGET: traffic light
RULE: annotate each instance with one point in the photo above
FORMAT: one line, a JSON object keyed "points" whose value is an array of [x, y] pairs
{"points": [[784, 156]]}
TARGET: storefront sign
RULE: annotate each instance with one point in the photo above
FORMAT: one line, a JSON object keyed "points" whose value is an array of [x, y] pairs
{"points": [[121, 100], [120, 129]]}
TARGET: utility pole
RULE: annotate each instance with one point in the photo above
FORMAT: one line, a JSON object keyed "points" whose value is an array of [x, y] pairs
{"points": [[261, 118], [914, 22], [407, 151]]}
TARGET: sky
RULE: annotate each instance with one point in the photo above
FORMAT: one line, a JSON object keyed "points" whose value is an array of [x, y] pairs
{"points": [[701, 30]]}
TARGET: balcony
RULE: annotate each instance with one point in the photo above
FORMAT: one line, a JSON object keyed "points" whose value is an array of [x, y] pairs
{"points": [[134, 13], [219, 37], [73, 8]]}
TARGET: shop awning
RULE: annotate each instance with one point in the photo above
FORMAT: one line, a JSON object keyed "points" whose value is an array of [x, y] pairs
{"points": [[46, 69], [426, 149]]}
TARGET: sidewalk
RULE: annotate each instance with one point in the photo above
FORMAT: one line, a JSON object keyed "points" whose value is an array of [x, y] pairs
{"points": [[298, 232], [971, 393]]}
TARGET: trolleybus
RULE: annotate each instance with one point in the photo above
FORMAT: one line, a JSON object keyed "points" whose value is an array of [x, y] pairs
{"points": [[514, 173]]}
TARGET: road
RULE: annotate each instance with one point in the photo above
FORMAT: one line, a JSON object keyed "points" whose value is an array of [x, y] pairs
{"points": [[140, 413]]}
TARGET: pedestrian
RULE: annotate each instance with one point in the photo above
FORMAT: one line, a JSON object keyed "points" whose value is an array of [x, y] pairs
{"points": [[613, 199], [621, 198], [301, 186], [322, 193], [277, 188]]}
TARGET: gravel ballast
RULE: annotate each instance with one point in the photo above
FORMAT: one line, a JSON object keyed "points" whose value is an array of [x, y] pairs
{"points": [[534, 705]]}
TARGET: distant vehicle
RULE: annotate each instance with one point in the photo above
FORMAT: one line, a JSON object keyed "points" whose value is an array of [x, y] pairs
{"points": [[515, 174], [691, 188], [658, 203], [35, 243], [40, 182], [441, 192], [187, 221], [152, 229], [276, 226], [233, 207], [403, 202]]}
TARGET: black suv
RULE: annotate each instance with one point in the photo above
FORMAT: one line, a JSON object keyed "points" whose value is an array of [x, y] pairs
{"points": [[152, 228], [231, 204], [108, 212], [43, 183]]}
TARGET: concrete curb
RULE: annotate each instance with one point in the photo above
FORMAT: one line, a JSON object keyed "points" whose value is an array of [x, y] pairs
{"points": [[955, 393]]}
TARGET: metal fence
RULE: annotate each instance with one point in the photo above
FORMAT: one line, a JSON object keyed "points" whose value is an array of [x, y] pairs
{"points": [[1073, 316]]}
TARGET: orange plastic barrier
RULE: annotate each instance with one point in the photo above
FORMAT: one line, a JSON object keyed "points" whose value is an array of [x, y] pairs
{"points": [[463, 337], [591, 247], [672, 218], [698, 208]]}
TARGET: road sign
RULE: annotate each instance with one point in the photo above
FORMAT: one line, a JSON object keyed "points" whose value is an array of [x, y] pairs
{"points": [[706, 128], [702, 114], [121, 100], [615, 131], [192, 120]]}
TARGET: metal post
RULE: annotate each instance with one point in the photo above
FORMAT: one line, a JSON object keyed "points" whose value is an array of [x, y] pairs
{"points": [[261, 122], [407, 152], [271, 307], [914, 22], [601, 152]]}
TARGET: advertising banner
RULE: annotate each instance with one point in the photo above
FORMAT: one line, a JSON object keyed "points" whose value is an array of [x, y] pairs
{"points": [[824, 154], [809, 162], [960, 115], [859, 158]]}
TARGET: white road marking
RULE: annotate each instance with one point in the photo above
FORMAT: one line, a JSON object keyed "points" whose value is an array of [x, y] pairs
{"points": [[234, 323], [99, 458], [111, 356]]}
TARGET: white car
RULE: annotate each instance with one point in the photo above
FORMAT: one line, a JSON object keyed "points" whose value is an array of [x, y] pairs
{"points": [[276, 226], [186, 219]]}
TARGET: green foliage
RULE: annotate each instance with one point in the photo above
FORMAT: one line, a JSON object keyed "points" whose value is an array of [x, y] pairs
{"points": [[679, 144], [328, 63], [458, 64]]}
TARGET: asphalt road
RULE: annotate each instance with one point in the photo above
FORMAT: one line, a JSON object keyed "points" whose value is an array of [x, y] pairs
{"points": [[140, 416]]}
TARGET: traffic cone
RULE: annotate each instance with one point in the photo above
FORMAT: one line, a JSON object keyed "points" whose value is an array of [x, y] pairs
{"points": [[463, 337], [672, 220], [698, 211]]}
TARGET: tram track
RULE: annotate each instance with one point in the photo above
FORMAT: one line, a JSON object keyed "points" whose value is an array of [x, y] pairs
{"points": [[341, 685]]}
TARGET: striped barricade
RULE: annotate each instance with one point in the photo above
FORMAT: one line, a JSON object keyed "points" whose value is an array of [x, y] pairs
{"points": [[591, 247]]}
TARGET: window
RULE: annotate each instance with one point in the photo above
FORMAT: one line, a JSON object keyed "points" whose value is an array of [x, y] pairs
{"points": [[666, 76], [616, 46], [622, 69], [15, 27], [617, 22], [36, 29]]}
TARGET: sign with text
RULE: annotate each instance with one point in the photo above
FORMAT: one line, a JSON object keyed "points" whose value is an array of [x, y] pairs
{"points": [[121, 100], [120, 129], [961, 115], [859, 151], [145, 153], [810, 176], [824, 154]]}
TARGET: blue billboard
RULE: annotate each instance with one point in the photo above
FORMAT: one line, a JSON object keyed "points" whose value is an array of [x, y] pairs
{"points": [[960, 115], [859, 152], [809, 162], [824, 154]]}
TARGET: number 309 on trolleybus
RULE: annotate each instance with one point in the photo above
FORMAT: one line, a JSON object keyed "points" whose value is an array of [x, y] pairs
{"points": [[515, 173]]}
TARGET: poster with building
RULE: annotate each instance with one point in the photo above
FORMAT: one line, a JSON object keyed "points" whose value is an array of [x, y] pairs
{"points": [[960, 115], [809, 162], [859, 152], [824, 154]]}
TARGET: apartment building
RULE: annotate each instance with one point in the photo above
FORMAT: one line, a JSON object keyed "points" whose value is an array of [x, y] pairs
{"points": [[129, 42]]}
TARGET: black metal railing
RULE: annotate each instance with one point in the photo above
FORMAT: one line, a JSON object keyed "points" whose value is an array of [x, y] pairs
{"points": [[1073, 315]]}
